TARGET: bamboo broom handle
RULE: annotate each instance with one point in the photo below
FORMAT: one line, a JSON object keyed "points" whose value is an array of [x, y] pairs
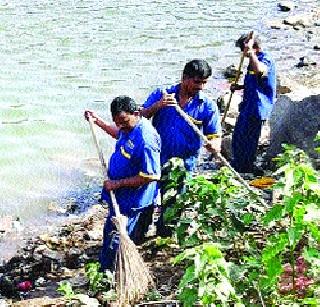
{"points": [[236, 80], [104, 165], [206, 141]]}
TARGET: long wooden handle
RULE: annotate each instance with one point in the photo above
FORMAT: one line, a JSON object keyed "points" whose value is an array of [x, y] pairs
{"points": [[206, 141], [104, 165], [236, 80], [231, 94]]}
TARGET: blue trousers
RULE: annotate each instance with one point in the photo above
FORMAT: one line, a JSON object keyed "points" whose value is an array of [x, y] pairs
{"points": [[245, 140], [138, 223]]}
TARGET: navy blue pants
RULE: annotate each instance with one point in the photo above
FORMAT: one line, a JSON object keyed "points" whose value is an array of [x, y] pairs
{"points": [[138, 223], [245, 140]]}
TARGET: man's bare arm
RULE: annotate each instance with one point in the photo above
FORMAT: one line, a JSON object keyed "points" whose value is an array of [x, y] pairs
{"points": [[111, 129]]}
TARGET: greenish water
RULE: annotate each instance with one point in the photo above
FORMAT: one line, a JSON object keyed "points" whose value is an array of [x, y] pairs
{"points": [[61, 57]]}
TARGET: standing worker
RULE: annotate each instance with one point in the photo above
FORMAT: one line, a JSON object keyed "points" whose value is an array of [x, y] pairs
{"points": [[178, 139], [259, 95], [133, 171]]}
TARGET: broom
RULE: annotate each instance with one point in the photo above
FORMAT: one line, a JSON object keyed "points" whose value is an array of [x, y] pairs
{"points": [[133, 277], [223, 159]]}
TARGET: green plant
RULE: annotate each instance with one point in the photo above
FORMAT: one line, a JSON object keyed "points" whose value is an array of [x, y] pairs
{"points": [[296, 216], [98, 281], [218, 209], [164, 242], [212, 208], [271, 254], [65, 288], [206, 277], [153, 295]]}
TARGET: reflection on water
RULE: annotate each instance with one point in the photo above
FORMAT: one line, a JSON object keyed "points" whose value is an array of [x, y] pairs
{"points": [[60, 57]]}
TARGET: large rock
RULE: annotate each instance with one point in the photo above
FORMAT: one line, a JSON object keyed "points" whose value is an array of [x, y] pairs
{"points": [[295, 120], [304, 20], [234, 103]]}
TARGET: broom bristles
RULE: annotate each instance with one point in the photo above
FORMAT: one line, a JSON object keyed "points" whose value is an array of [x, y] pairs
{"points": [[133, 275]]}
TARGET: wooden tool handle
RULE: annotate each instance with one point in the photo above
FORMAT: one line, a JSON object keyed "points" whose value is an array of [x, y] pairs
{"points": [[224, 161], [104, 165]]}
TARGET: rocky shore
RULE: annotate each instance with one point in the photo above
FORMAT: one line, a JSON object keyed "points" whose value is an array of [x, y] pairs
{"points": [[32, 276]]}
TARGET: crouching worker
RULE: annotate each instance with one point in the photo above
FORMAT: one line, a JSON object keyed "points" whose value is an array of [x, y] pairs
{"points": [[133, 171]]}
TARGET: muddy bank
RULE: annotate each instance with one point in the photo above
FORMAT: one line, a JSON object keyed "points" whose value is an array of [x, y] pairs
{"points": [[51, 257], [32, 277]]}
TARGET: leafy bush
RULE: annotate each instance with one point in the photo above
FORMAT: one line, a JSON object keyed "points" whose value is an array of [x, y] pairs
{"points": [[65, 288], [98, 281], [272, 253], [206, 278]]}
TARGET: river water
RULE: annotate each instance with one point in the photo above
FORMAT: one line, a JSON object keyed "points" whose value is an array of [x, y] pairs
{"points": [[61, 57]]}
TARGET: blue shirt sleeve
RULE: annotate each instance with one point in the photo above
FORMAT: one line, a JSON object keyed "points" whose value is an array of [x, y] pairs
{"points": [[151, 161], [155, 96], [266, 61], [267, 89], [267, 79], [212, 123]]}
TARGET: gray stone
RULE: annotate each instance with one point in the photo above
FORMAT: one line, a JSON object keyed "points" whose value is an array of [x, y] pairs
{"points": [[87, 301], [295, 120], [286, 6], [304, 20], [226, 149], [306, 61], [231, 71], [234, 104]]}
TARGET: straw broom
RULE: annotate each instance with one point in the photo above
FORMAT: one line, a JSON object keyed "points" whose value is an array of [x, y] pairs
{"points": [[133, 277]]}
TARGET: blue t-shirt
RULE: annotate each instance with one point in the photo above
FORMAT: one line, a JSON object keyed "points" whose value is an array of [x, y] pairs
{"points": [[136, 153], [259, 92], [178, 139]]}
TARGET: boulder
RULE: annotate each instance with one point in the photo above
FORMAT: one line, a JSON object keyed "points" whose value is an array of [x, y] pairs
{"points": [[231, 72], [304, 20], [226, 148], [234, 104], [295, 120], [286, 6], [305, 61]]}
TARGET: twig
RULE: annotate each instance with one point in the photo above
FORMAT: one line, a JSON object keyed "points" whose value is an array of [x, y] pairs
{"points": [[260, 296]]}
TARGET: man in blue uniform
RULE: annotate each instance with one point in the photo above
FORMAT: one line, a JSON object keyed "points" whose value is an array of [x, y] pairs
{"points": [[178, 139], [133, 171], [258, 98]]}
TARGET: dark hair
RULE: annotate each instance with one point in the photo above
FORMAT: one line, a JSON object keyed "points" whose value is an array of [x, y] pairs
{"points": [[240, 41], [197, 68], [123, 104]]}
